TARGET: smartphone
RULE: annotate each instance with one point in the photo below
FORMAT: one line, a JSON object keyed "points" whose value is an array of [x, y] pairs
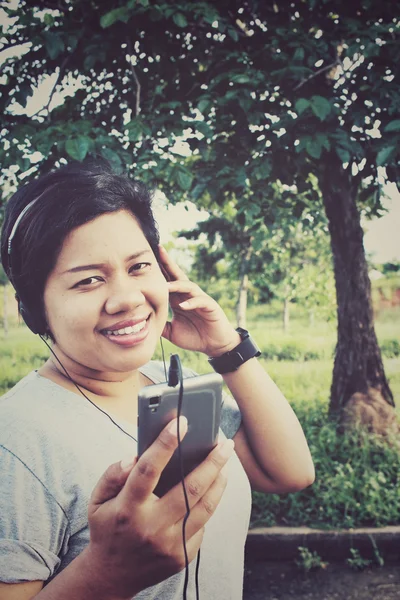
{"points": [[201, 405]]}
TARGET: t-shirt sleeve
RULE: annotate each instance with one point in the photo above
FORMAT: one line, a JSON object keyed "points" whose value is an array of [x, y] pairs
{"points": [[34, 529], [231, 417]]}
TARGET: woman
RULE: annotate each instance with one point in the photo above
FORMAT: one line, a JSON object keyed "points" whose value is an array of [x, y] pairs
{"points": [[89, 274]]}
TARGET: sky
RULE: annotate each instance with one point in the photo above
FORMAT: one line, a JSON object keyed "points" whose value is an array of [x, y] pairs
{"points": [[381, 235]]}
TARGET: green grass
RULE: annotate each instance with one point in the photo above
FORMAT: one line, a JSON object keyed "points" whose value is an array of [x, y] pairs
{"points": [[357, 476], [20, 352]]}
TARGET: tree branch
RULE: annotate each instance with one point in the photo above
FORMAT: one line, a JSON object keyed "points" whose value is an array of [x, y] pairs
{"points": [[322, 70], [135, 77]]}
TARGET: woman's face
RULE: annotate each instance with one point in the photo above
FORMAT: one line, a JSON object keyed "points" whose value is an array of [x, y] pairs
{"points": [[106, 300]]}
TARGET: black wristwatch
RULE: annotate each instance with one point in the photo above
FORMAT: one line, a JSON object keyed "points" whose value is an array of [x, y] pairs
{"points": [[231, 361]]}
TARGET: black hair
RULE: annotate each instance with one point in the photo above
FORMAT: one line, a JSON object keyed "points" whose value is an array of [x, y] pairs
{"points": [[67, 197]]}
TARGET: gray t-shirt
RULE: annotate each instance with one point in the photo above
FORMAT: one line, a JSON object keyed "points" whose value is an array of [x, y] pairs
{"points": [[54, 447]]}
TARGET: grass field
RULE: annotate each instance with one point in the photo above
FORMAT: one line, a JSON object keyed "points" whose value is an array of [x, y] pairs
{"points": [[357, 482], [305, 375]]}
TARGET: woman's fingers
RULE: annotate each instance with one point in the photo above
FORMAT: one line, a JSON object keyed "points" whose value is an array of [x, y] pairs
{"points": [[199, 303], [197, 483], [206, 506], [147, 471], [185, 286], [111, 483]]}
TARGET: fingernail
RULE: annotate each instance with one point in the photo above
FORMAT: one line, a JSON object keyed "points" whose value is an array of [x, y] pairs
{"points": [[226, 449], [127, 463], [184, 304], [173, 426]]}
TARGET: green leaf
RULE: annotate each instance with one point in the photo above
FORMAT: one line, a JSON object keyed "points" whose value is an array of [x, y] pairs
{"points": [[204, 105], [180, 20], [241, 78], [113, 158], [73, 41], [301, 105], [54, 44], [393, 126], [184, 179], [89, 62], [197, 191], [321, 107], [44, 145], [48, 19], [246, 103], [23, 163], [117, 14], [313, 148], [233, 34], [203, 128], [263, 170], [241, 178], [77, 148], [299, 54], [324, 141], [343, 154], [134, 130], [384, 155]]}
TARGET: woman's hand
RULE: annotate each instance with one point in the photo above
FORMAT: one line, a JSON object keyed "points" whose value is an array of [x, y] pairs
{"points": [[198, 322], [136, 537]]}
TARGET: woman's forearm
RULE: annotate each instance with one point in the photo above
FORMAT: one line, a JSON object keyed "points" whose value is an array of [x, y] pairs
{"points": [[81, 580], [273, 432]]}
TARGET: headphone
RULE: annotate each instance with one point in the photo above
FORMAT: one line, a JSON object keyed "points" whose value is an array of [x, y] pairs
{"points": [[34, 321]]}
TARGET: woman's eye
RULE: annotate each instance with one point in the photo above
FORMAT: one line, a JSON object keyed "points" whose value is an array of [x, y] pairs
{"points": [[140, 266], [88, 281]]}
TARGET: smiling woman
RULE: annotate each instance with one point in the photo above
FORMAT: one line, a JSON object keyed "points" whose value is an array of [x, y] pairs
{"points": [[116, 303], [80, 246]]}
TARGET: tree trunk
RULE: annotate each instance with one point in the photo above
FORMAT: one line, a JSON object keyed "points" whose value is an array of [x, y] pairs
{"points": [[241, 305], [359, 386], [285, 315], [5, 310]]}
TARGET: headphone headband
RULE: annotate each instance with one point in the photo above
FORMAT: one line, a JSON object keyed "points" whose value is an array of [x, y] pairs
{"points": [[34, 322]]}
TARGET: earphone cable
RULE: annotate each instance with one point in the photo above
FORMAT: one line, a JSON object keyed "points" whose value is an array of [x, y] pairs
{"points": [[180, 454], [197, 576], [180, 399], [83, 394], [163, 359]]}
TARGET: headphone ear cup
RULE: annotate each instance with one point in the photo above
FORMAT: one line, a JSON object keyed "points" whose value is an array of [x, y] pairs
{"points": [[30, 320]]}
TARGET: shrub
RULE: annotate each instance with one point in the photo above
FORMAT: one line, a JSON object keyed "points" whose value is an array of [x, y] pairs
{"points": [[390, 348], [356, 484], [291, 351]]}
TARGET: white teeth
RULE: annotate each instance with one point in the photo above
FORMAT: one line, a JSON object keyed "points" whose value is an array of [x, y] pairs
{"points": [[126, 330]]}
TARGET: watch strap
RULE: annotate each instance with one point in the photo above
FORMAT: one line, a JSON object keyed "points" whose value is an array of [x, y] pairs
{"points": [[232, 360]]}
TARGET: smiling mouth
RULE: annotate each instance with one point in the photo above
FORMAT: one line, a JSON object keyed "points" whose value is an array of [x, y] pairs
{"points": [[132, 329]]}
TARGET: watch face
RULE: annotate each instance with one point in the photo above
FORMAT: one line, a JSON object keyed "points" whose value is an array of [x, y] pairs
{"points": [[242, 332], [231, 361]]}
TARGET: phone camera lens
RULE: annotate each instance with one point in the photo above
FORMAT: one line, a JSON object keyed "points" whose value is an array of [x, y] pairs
{"points": [[154, 403]]}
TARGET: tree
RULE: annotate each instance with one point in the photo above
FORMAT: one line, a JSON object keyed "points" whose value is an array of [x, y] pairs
{"points": [[3, 284], [260, 92], [300, 267], [266, 245], [233, 248]]}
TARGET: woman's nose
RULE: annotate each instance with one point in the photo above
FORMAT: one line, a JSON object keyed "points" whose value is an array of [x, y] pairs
{"points": [[125, 295]]}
